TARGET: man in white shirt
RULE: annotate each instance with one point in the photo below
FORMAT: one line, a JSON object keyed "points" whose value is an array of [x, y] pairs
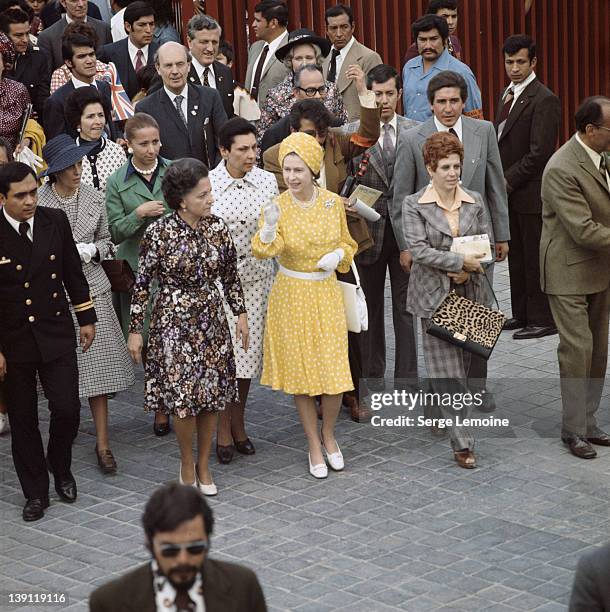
{"points": [[117, 26], [203, 40], [346, 50], [264, 69], [574, 270]]}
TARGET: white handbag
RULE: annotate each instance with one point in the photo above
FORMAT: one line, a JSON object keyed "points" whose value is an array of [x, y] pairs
{"points": [[356, 311]]}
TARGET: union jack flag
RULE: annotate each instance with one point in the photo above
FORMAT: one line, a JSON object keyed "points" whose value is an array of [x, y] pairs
{"points": [[122, 108]]}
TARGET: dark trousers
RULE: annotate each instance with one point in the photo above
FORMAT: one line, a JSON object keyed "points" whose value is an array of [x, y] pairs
{"points": [[59, 379], [372, 342], [528, 302]]}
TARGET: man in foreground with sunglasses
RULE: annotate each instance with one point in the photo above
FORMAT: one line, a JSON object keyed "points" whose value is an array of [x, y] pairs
{"points": [[180, 577]]}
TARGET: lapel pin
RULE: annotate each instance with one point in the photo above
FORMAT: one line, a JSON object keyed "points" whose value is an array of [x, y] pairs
{"points": [[207, 120], [193, 112]]}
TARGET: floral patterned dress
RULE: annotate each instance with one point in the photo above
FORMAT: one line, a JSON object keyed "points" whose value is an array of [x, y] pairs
{"points": [[190, 365]]}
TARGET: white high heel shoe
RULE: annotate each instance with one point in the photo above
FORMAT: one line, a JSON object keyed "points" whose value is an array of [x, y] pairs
{"points": [[206, 489], [188, 484], [335, 460], [317, 471]]}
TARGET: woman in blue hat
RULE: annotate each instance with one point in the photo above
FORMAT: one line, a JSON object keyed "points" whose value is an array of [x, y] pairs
{"points": [[106, 367]]}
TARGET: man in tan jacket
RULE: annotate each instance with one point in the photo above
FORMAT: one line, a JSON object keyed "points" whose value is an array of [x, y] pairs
{"points": [[575, 270]]}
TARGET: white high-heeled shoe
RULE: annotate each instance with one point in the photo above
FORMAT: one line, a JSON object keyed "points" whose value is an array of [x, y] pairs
{"points": [[206, 489], [317, 471], [335, 460], [188, 484]]}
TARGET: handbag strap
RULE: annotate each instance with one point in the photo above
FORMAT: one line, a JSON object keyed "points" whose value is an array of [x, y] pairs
{"points": [[492, 291], [357, 277]]}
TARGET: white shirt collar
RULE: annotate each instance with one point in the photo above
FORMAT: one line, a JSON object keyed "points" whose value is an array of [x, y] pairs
{"points": [[78, 83], [172, 95], [133, 50], [15, 224], [594, 155], [165, 594], [199, 68], [394, 132], [223, 180], [343, 52], [70, 20], [275, 44], [519, 88], [443, 128]]}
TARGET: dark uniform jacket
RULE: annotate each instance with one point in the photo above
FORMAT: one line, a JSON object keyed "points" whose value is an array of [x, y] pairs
{"points": [[35, 319], [226, 588], [31, 69], [225, 85]]}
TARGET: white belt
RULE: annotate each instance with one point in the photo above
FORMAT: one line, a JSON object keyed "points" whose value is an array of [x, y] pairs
{"points": [[305, 275]]}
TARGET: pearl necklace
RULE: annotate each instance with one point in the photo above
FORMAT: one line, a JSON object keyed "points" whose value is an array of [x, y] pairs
{"points": [[145, 172], [306, 204]]}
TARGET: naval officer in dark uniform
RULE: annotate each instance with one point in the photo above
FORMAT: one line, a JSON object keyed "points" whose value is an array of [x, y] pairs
{"points": [[38, 264]]}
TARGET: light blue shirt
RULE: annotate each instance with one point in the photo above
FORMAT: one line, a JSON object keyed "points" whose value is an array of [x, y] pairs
{"points": [[415, 85]]}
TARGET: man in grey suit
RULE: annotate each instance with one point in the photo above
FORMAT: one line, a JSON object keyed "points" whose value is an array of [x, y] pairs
{"points": [[384, 255], [49, 40], [591, 590], [574, 270], [264, 69], [481, 172]]}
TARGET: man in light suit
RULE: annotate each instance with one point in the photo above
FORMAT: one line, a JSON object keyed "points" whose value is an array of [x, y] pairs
{"points": [[346, 51], [203, 40], [481, 172], [591, 589], [49, 40], [574, 270], [131, 54], [180, 575], [264, 69], [384, 255], [189, 116]]}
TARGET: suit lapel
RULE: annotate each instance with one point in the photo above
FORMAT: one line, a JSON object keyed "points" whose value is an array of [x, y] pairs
{"points": [[44, 232], [12, 244], [587, 164], [435, 216], [522, 102], [472, 150], [193, 77], [216, 588], [273, 59], [351, 58], [468, 215], [378, 163], [170, 110]]}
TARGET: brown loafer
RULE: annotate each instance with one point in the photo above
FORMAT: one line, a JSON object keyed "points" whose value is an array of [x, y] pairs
{"points": [[465, 458], [106, 461]]}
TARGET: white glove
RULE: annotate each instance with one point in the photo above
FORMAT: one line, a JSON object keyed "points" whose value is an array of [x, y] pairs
{"points": [[330, 261], [28, 157], [86, 251], [271, 216]]}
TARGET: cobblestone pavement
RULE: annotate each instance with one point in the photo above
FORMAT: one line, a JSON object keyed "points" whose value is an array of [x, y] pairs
{"points": [[402, 528]]}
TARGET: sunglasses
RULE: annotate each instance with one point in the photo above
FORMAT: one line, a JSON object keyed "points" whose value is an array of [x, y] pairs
{"points": [[192, 548]]}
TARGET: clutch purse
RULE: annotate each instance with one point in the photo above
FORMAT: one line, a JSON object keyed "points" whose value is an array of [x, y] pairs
{"points": [[120, 274], [354, 301], [472, 326], [359, 231]]}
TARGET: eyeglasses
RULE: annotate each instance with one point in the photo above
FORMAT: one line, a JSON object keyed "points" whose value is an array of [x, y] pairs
{"points": [[192, 548], [310, 92], [602, 127]]}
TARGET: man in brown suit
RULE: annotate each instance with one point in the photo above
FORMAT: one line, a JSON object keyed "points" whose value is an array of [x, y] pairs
{"points": [[178, 522], [527, 124], [574, 270]]}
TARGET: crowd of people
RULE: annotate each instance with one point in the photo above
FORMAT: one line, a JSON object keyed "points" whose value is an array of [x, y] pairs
{"points": [[230, 204]]}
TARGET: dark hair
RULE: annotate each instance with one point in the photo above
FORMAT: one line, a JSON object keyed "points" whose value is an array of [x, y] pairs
{"points": [[163, 11], [68, 43], [273, 9], [296, 77], [75, 105], [146, 75], [440, 145], [173, 504], [123, 3], [436, 5], [84, 29], [313, 110], [590, 111], [226, 48], [136, 10], [21, 4], [13, 172], [138, 122], [237, 126], [337, 10], [12, 16], [382, 73], [513, 44], [180, 178], [7, 146], [430, 22], [447, 78]]}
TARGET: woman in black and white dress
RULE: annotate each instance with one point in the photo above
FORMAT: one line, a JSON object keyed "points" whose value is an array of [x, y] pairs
{"points": [[106, 367]]}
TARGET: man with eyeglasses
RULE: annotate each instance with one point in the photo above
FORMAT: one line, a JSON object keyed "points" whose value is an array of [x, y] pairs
{"points": [[574, 270], [180, 577]]}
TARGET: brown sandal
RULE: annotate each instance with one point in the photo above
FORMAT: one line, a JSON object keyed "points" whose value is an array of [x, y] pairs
{"points": [[465, 458]]}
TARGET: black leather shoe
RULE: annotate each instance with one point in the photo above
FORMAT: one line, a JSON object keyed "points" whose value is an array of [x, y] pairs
{"points": [[245, 447], [161, 429], [34, 508], [511, 324], [579, 446], [66, 488], [535, 331], [224, 453], [599, 437]]}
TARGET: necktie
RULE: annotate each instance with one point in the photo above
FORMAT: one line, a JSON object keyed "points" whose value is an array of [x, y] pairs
{"points": [[602, 167], [178, 103], [452, 131], [139, 60], [389, 149], [24, 228], [508, 101], [206, 80], [332, 69], [259, 72]]}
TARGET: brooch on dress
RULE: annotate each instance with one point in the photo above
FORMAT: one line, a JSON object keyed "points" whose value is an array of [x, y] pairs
{"points": [[329, 203]]}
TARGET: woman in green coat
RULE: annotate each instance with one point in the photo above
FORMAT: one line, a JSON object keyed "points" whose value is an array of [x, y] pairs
{"points": [[133, 201]]}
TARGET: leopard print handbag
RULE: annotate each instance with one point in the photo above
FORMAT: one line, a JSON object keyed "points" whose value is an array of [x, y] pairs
{"points": [[467, 324]]}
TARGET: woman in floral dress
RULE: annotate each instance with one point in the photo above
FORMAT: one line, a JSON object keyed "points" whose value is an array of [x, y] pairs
{"points": [[190, 364]]}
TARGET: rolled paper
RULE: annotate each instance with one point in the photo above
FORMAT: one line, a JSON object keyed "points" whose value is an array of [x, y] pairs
{"points": [[368, 213]]}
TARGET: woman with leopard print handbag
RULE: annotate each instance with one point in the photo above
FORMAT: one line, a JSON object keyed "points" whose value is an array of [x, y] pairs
{"points": [[432, 218]]}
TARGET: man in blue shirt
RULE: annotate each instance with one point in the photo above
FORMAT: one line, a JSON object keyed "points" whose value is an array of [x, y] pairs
{"points": [[431, 33]]}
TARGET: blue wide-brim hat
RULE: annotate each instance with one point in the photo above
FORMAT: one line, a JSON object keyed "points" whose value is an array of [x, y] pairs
{"points": [[62, 152]]}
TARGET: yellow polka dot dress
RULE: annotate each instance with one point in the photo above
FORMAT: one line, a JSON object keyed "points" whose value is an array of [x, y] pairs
{"points": [[305, 341]]}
